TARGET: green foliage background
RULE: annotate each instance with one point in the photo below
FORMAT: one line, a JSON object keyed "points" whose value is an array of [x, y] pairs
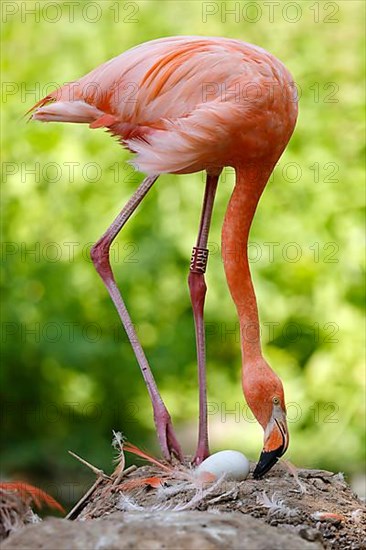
{"points": [[71, 381]]}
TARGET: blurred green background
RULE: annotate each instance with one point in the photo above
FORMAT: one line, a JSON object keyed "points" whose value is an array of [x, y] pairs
{"points": [[69, 376]]}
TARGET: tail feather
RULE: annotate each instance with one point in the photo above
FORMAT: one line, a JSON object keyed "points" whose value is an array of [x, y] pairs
{"points": [[41, 103], [66, 111], [65, 104], [49, 98]]}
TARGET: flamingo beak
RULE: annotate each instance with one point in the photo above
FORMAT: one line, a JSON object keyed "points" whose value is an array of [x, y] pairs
{"points": [[276, 441]]}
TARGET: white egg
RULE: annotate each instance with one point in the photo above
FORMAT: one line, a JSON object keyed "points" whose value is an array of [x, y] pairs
{"points": [[233, 464]]}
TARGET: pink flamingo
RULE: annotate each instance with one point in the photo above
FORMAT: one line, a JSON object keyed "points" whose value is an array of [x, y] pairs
{"points": [[185, 104]]}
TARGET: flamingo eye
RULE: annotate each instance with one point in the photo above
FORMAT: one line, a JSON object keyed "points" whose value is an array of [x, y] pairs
{"points": [[276, 400]]}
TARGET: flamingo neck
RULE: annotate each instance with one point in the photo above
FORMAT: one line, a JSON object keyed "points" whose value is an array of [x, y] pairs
{"points": [[249, 186]]}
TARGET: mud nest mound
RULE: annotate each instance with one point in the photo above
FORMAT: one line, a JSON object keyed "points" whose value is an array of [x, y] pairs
{"points": [[151, 508]]}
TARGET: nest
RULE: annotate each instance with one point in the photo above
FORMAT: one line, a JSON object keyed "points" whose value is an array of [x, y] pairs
{"points": [[314, 505], [15, 512]]}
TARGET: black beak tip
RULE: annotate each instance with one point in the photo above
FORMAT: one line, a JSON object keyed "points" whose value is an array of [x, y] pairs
{"points": [[266, 461]]}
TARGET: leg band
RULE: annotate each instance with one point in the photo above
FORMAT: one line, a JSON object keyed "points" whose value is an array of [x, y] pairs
{"points": [[198, 260]]}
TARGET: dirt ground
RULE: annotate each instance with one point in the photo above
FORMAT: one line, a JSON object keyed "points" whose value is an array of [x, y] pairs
{"points": [[149, 507]]}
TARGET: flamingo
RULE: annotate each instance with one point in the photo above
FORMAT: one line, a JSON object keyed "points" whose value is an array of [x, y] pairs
{"points": [[185, 104]]}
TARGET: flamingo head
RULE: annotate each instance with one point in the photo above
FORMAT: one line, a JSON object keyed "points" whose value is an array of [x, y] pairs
{"points": [[265, 397]]}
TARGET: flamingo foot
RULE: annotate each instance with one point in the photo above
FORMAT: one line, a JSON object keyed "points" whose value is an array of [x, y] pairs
{"points": [[202, 453], [166, 436]]}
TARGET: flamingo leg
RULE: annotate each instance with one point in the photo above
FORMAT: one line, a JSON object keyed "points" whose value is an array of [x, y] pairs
{"points": [[100, 257], [197, 288]]}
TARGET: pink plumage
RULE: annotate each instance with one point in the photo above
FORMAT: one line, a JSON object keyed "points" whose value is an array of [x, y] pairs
{"points": [[184, 103]]}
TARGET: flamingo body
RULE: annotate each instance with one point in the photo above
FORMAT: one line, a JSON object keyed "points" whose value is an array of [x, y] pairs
{"points": [[185, 104]]}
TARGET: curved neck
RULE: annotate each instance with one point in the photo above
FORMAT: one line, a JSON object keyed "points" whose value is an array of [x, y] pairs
{"points": [[249, 186]]}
